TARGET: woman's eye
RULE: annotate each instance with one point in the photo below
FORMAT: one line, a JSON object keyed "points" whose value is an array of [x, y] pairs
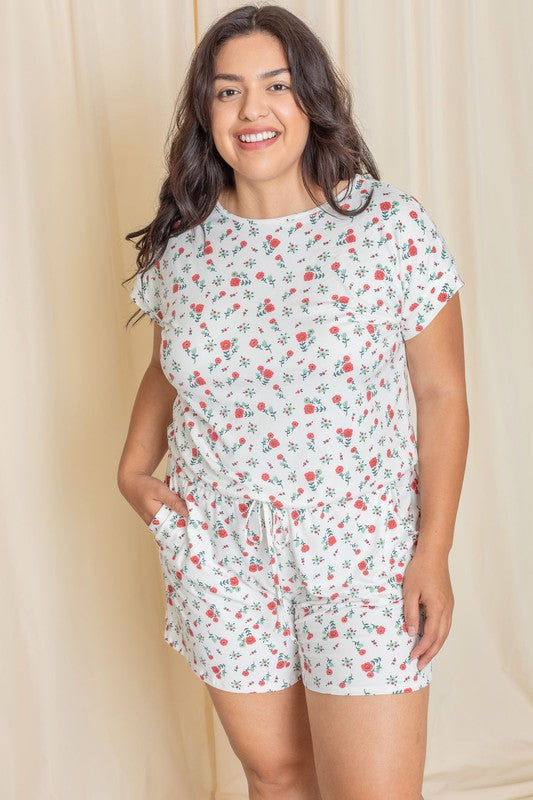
{"points": [[224, 91]]}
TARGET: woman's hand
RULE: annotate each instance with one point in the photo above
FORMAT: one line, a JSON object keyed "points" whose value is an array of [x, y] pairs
{"points": [[146, 494], [427, 582]]}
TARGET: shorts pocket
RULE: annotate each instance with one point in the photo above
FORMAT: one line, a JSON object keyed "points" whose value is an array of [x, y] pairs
{"points": [[400, 539], [162, 513], [169, 528]]}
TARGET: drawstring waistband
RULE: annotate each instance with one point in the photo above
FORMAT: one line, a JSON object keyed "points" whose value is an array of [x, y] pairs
{"points": [[272, 523]]}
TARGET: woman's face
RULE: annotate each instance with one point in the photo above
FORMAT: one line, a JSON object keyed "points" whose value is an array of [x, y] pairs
{"points": [[244, 99]]}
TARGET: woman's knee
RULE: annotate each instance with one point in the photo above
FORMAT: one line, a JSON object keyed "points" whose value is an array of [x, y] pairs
{"points": [[283, 780]]}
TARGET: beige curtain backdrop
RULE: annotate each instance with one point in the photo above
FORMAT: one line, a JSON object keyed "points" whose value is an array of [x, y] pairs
{"points": [[95, 706]]}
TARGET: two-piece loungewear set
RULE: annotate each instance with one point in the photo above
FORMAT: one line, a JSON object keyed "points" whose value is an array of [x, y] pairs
{"points": [[292, 442]]}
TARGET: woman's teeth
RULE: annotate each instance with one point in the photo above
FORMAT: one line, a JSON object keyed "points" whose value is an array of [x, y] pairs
{"points": [[258, 137]]}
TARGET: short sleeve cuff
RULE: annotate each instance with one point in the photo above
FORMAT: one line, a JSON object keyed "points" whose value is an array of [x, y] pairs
{"points": [[425, 308], [145, 295]]}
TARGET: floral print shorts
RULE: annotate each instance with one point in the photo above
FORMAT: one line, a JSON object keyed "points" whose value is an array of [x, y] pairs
{"points": [[260, 595]]}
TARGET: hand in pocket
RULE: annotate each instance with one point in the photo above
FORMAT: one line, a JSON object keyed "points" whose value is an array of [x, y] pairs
{"points": [[148, 495]]}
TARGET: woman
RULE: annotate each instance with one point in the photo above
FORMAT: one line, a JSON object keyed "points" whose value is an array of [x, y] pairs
{"points": [[303, 532]]}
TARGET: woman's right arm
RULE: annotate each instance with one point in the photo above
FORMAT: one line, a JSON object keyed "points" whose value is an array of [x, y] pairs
{"points": [[146, 442]]}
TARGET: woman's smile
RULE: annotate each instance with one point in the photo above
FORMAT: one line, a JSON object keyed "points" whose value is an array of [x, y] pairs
{"points": [[259, 144]]}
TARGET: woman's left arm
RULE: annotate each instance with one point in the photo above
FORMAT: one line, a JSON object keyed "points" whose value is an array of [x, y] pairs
{"points": [[435, 360]]}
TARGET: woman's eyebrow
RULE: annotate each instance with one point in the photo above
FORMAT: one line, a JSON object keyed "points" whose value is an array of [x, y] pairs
{"points": [[228, 76]]}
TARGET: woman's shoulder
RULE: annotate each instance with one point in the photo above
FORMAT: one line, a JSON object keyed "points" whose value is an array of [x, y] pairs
{"points": [[384, 193]]}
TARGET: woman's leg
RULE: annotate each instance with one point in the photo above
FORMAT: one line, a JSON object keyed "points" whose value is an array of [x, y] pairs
{"points": [[369, 747], [269, 732]]}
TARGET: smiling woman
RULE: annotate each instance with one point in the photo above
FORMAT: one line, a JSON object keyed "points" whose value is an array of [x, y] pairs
{"points": [[267, 179], [282, 128], [290, 74], [287, 282]]}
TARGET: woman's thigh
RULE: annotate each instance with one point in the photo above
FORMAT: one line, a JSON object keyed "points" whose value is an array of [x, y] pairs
{"points": [[268, 731], [369, 746]]}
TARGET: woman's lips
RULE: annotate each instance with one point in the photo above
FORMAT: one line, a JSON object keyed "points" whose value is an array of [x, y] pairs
{"points": [[257, 145]]}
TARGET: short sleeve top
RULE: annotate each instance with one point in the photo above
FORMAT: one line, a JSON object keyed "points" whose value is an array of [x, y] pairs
{"points": [[284, 339]]}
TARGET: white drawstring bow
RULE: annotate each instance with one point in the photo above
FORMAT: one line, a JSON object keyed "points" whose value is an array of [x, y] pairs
{"points": [[271, 524]]}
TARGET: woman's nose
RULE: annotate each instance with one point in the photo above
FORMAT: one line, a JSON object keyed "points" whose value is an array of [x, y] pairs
{"points": [[253, 105]]}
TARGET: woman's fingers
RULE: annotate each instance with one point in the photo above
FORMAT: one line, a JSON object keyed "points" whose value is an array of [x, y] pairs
{"points": [[176, 503], [427, 584], [436, 628]]}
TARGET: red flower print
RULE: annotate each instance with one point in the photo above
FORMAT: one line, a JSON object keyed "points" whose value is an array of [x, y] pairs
{"points": [[336, 404]]}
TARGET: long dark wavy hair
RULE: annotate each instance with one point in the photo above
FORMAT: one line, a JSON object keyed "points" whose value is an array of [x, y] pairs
{"points": [[197, 174]]}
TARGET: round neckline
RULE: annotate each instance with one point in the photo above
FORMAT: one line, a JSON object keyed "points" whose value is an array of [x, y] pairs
{"points": [[344, 193]]}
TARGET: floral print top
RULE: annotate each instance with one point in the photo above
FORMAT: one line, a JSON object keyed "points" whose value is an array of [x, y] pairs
{"points": [[284, 339]]}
